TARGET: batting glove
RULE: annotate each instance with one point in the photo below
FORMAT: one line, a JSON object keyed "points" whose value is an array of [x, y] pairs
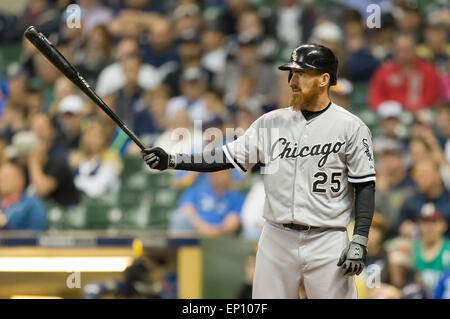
{"points": [[353, 256], [156, 158]]}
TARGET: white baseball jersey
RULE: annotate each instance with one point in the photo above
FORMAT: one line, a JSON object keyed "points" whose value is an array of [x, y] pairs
{"points": [[309, 164]]}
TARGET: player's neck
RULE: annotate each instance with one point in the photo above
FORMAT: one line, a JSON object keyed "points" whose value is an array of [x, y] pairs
{"points": [[316, 106]]}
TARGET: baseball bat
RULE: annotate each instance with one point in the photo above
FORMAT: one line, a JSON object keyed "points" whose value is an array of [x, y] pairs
{"points": [[60, 62]]}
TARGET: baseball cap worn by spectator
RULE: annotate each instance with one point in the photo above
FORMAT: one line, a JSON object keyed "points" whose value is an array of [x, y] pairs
{"points": [[390, 109], [429, 212], [327, 32], [387, 145], [341, 93], [400, 251], [71, 104], [343, 87], [22, 143], [193, 74]]}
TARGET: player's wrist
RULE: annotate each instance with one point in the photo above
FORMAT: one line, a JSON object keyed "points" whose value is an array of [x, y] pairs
{"points": [[172, 161], [361, 240]]}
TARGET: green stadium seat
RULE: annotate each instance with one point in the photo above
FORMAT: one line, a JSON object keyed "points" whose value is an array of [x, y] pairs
{"points": [[101, 214]]}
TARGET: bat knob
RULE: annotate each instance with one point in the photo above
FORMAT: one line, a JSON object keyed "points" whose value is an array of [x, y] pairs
{"points": [[31, 29]]}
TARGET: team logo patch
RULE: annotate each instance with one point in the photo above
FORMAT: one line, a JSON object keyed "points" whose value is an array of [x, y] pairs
{"points": [[367, 151], [294, 55]]}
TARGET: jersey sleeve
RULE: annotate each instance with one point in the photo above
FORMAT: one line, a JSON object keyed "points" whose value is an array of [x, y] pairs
{"points": [[359, 155], [244, 152]]}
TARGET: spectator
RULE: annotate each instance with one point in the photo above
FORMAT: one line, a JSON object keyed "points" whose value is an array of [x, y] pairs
{"points": [[14, 118], [432, 250], [252, 209], [436, 50], [134, 17], [390, 121], [409, 18], [180, 135], [47, 74], [94, 13], [112, 78], [17, 84], [330, 35], [425, 145], [193, 85], [35, 101], [190, 53], [430, 189], [291, 23], [381, 39], [97, 167], [69, 121], [18, 211], [248, 62], [341, 93], [443, 129], [40, 13], [95, 54], [393, 183], [160, 50], [187, 19], [149, 120], [229, 17], [375, 250], [408, 80], [246, 95], [398, 278], [49, 173], [211, 209], [251, 25], [129, 94], [63, 87], [442, 290], [360, 61], [214, 51]]}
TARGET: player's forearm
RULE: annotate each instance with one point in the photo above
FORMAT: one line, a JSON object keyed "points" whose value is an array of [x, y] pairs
{"points": [[364, 208], [208, 161]]}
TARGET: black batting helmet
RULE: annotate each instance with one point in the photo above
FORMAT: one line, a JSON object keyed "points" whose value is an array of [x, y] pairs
{"points": [[313, 57]]}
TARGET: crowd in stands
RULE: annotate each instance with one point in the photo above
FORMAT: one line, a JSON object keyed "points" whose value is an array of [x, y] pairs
{"points": [[164, 65]]}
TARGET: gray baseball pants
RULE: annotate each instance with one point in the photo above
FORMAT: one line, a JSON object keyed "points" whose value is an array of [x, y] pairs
{"points": [[288, 258]]}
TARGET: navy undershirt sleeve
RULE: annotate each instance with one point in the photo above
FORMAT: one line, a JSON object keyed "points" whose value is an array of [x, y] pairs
{"points": [[208, 161], [364, 207]]}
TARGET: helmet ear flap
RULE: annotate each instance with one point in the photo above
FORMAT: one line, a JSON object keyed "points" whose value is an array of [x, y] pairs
{"points": [[290, 76]]}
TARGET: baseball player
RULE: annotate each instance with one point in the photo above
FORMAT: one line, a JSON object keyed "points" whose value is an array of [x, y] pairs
{"points": [[318, 161]]}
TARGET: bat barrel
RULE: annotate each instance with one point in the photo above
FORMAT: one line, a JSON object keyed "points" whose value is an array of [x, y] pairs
{"points": [[60, 62]]}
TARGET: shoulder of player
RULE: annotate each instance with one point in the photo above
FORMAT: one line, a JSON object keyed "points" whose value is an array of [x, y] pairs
{"points": [[347, 118], [276, 114]]}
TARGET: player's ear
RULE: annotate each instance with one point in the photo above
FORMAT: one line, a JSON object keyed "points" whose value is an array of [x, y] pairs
{"points": [[325, 79]]}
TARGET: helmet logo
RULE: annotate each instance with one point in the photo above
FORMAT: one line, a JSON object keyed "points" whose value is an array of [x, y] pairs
{"points": [[294, 55]]}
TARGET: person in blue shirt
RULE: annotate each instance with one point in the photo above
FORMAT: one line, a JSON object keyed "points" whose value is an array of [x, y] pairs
{"points": [[17, 210], [442, 290], [210, 208], [430, 188]]}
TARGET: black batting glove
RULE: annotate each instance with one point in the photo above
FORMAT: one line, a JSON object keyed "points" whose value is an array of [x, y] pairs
{"points": [[352, 259], [156, 158]]}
